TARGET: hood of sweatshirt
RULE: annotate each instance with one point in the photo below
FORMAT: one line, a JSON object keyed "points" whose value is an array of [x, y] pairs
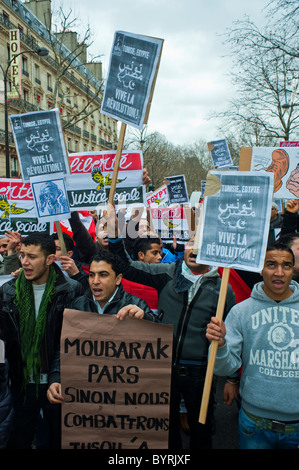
{"points": [[259, 294]]}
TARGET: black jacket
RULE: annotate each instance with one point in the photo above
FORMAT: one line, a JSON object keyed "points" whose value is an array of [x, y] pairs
{"points": [[85, 303], [6, 407], [66, 290], [189, 318]]}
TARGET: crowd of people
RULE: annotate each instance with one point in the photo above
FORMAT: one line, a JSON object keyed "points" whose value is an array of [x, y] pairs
{"points": [[113, 272]]}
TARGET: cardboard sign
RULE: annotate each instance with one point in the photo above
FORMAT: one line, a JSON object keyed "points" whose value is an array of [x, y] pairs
{"points": [[132, 72], [40, 143], [236, 219], [115, 378]]}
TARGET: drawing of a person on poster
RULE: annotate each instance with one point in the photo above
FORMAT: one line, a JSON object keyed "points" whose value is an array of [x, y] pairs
{"points": [[284, 164], [50, 197]]}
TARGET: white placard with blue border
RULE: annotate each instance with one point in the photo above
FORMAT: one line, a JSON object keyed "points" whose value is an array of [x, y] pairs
{"points": [[236, 219]]}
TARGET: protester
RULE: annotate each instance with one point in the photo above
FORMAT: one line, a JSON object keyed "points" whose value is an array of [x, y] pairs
{"points": [[68, 242], [6, 408], [105, 295], [71, 267], [31, 310], [147, 248], [276, 221], [292, 240], [290, 217], [11, 260], [3, 248], [85, 243], [261, 335], [188, 297]]}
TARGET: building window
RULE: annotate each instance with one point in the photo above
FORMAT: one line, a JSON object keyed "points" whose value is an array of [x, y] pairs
{"points": [[5, 18], [25, 94], [49, 82], [14, 167], [25, 66], [36, 74]]}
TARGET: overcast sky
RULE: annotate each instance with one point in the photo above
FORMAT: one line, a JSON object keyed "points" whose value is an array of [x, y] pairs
{"points": [[192, 80]]}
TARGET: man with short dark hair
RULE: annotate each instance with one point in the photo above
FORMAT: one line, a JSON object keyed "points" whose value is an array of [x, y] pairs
{"points": [[147, 248], [261, 334], [31, 312], [105, 295]]}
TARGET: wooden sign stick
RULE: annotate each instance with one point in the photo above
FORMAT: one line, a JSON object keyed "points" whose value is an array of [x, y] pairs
{"points": [[213, 350], [117, 162], [60, 238]]}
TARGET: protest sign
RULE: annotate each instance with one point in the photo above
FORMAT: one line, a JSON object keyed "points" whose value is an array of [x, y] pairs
{"points": [[116, 387], [50, 197], [17, 208], [235, 224], [282, 162], [220, 153], [90, 183], [158, 198], [131, 77], [289, 144], [40, 143], [170, 222], [177, 189], [233, 234]]}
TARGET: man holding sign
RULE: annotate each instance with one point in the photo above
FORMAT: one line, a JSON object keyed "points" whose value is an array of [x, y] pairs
{"points": [[105, 295], [261, 334], [31, 309]]}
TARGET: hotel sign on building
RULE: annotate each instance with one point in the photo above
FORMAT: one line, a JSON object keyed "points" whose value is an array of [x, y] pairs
{"points": [[15, 70]]}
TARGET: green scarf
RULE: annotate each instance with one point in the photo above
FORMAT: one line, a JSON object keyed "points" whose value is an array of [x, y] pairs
{"points": [[32, 329]]}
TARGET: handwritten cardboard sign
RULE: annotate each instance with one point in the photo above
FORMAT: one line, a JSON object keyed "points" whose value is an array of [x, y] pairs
{"points": [[115, 378], [40, 143]]}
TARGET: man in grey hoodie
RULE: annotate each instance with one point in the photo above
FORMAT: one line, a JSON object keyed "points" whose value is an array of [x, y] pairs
{"points": [[262, 335]]}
